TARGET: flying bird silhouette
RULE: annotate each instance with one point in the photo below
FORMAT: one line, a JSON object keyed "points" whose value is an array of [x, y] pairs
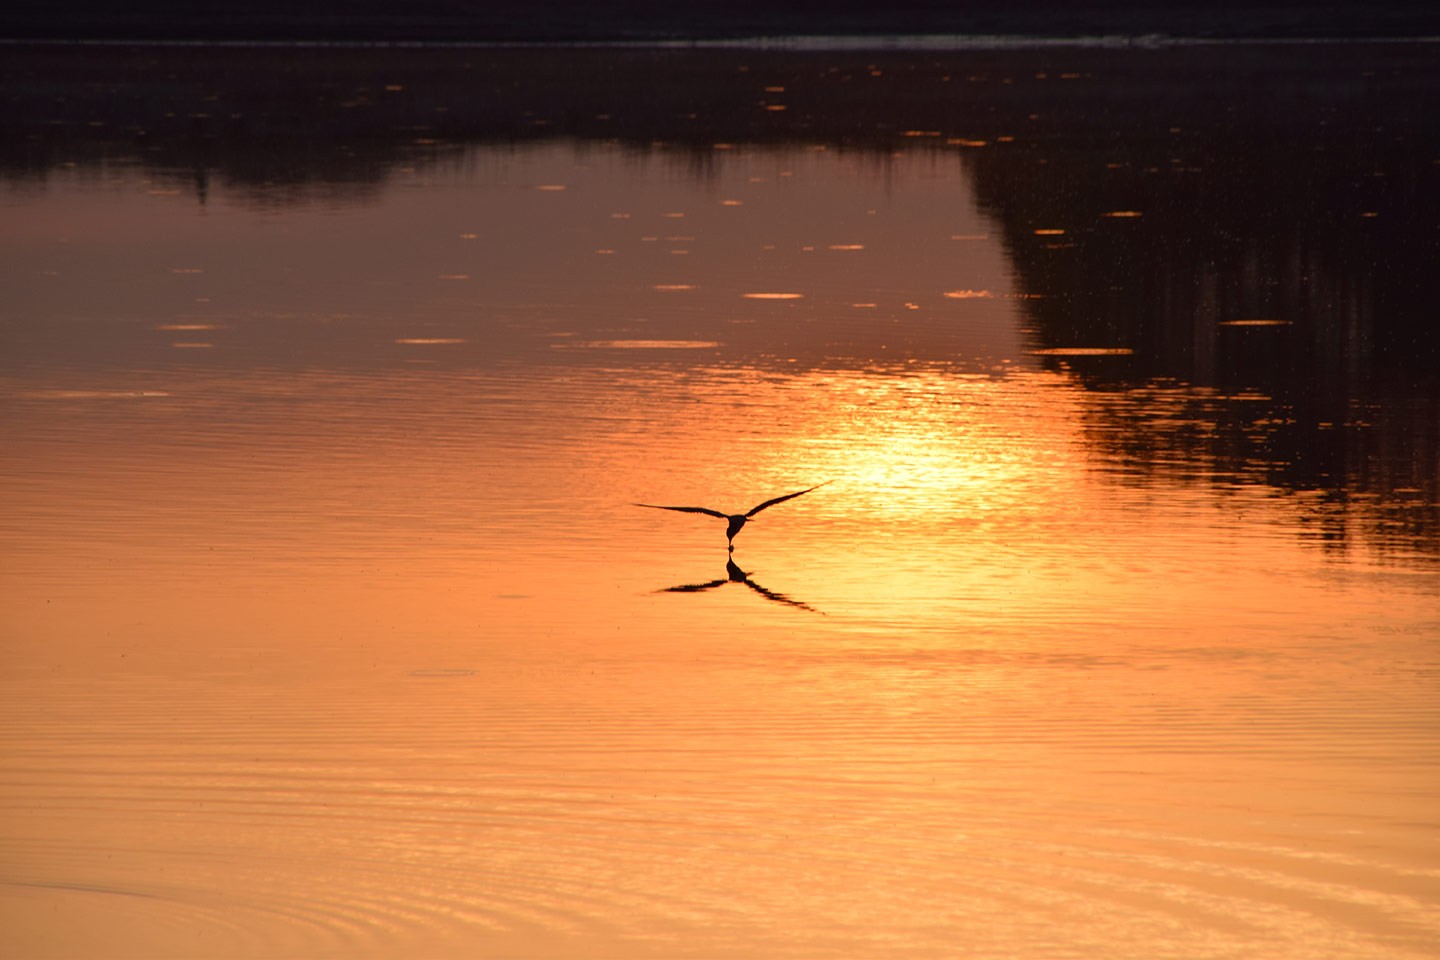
{"points": [[734, 521]]}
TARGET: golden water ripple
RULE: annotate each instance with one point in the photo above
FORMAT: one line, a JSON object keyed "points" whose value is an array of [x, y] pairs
{"points": [[326, 653], [644, 820]]}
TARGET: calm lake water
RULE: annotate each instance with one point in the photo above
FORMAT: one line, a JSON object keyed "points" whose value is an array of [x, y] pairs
{"points": [[330, 380]]}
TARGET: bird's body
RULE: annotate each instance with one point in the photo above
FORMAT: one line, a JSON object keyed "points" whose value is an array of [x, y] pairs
{"points": [[734, 521]]}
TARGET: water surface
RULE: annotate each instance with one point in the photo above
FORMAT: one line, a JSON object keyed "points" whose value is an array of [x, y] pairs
{"points": [[332, 628]]}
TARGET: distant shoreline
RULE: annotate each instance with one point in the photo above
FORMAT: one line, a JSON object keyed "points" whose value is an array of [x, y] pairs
{"points": [[796, 43], [709, 22]]}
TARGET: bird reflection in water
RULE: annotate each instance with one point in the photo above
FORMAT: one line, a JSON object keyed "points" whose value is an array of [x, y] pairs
{"points": [[733, 574]]}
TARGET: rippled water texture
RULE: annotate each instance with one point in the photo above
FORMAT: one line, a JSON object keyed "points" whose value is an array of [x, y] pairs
{"points": [[332, 629]]}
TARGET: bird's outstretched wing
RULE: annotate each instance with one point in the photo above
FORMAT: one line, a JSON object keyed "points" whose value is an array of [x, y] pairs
{"points": [[788, 496], [707, 510]]}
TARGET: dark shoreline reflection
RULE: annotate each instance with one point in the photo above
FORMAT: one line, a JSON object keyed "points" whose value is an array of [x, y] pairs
{"points": [[1149, 198], [277, 120], [733, 574], [1231, 248]]}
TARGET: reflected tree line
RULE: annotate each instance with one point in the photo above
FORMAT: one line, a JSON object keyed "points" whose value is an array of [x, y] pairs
{"points": [[1234, 248], [1275, 258]]}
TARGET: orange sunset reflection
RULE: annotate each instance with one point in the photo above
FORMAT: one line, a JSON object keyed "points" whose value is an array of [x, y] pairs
{"points": [[338, 613]]}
